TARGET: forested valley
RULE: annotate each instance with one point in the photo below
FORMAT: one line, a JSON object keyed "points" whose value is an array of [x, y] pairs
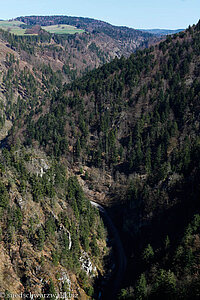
{"points": [[124, 135]]}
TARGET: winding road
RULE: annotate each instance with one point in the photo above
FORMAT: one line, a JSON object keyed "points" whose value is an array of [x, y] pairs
{"points": [[119, 250]]}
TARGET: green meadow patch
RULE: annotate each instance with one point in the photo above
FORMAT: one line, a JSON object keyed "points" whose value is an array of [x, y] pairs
{"points": [[62, 29], [13, 27], [19, 28]]}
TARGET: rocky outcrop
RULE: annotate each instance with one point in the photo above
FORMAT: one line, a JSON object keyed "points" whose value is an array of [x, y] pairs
{"points": [[86, 264]]}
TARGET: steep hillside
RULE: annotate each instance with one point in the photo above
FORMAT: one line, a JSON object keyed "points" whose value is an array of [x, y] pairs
{"points": [[46, 237], [62, 58], [51, 239], [33, 66], [121, 40], [26, 81], [134, 123]]}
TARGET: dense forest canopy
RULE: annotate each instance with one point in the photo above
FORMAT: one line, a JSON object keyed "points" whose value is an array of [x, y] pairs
{"points": [[138, 118], [129, 131]]}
